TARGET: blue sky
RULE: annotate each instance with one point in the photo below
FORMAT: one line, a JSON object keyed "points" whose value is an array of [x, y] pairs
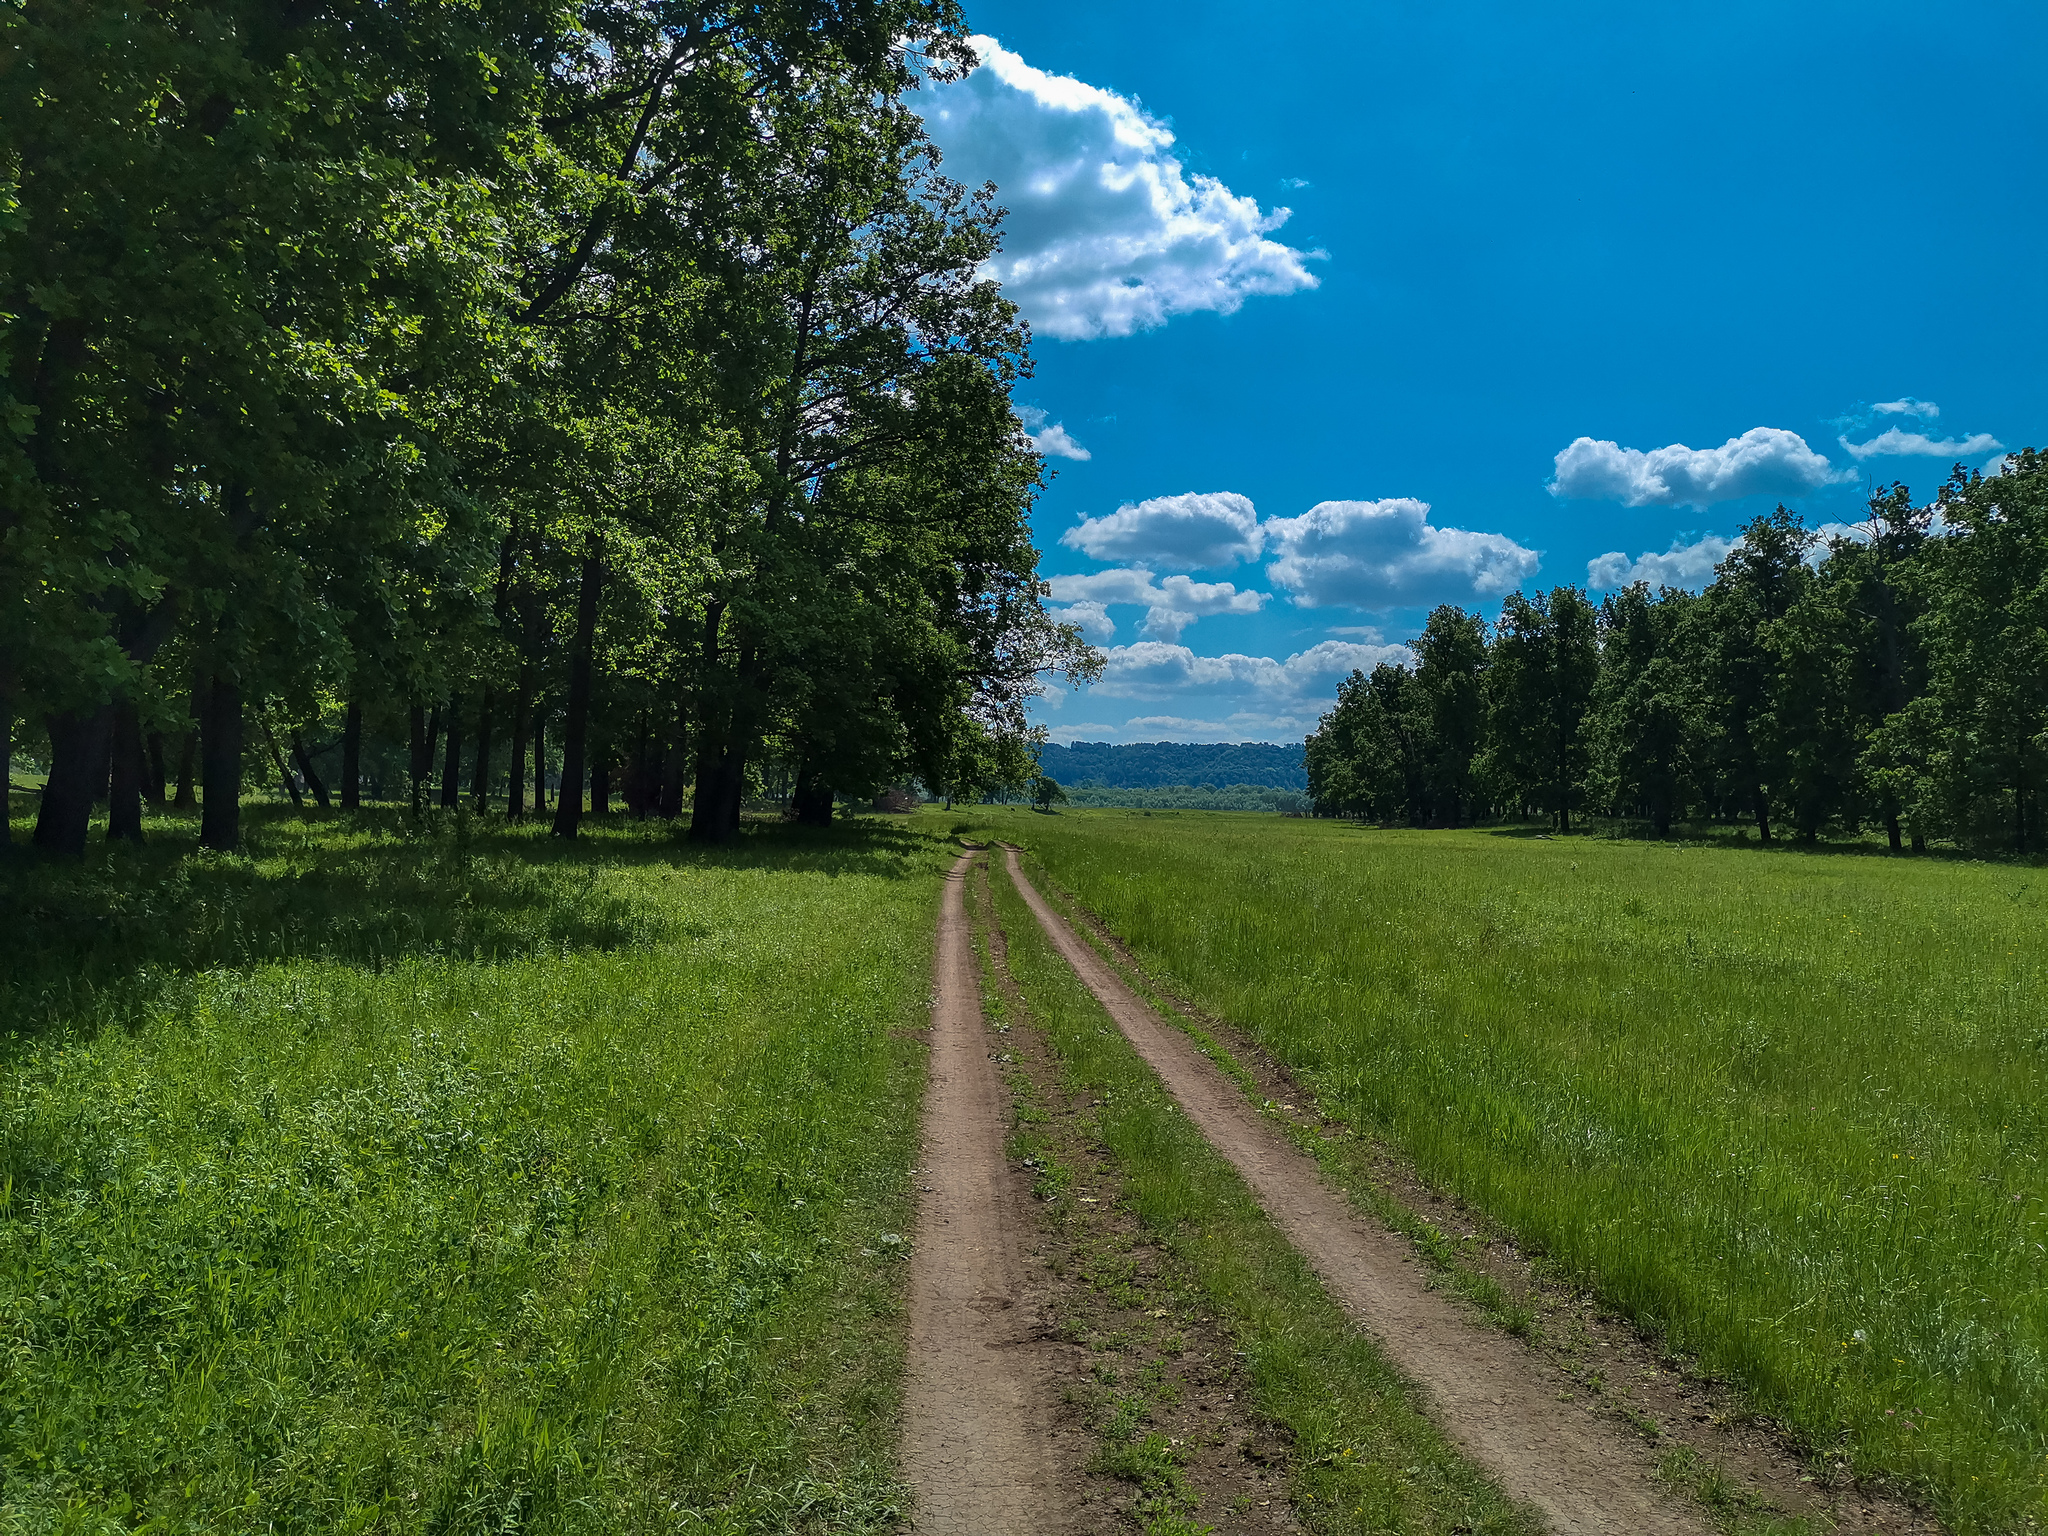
{"points": [[1561, 288]]}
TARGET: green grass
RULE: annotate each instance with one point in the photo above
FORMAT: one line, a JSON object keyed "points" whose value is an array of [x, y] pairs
{"points": [[1787, 1107], [458, 1183], [1366, 1459]]}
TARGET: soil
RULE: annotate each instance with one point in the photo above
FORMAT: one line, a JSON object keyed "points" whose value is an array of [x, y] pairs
{"points": [[1136, 1335], [1496, 1401], [987, 1445], [1665, 1422]]}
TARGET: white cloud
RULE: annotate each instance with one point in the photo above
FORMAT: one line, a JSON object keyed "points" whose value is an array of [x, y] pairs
{"points": [[1094, 619], [1927, 410], [1998, 463], [1763, 461], [1171, 606], [1067, 735], [1054, 441], [1201, 530], [1385, 554], [1154, 669], [1683, 565], [1894, 443], [1108, 233], [1245, 725]]}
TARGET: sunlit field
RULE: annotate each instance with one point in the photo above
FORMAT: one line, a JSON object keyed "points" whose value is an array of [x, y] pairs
{"points": [[1788, 1107], [466, 1182]]}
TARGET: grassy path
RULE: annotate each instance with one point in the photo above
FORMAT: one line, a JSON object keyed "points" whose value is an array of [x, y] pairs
{"points": [[1582, 1472], [1785, 1109]]}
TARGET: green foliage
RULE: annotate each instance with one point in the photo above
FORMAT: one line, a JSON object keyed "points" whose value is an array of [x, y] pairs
{"points": [[1788, 1111], [594, 372], [365, 1181], [1893, 679]]}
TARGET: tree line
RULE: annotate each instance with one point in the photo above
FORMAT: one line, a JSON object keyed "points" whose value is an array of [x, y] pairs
{"points": [[607, 383], [1896, 679]]}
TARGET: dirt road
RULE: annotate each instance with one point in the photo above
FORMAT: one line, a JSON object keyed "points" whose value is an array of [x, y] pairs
{"points": [[981, 1444], [1499, 1403]]}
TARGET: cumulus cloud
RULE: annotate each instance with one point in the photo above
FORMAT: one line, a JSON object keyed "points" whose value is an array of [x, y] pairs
{"points": [[1894, 443], [1386, 554], [1093, 618], [1763, 461], [1171, 606], [1682, 565], [1108, 233], [1155, 669], [1201, 530], [1054, 441]]}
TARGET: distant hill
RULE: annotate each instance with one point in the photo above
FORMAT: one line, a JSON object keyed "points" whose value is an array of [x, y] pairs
{"points": [[1156, 764]]}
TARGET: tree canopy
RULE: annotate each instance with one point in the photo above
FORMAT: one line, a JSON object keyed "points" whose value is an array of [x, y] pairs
{"points": [[611, 386], [1894, 678]]}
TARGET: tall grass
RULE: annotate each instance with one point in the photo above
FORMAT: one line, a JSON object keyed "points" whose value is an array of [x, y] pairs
{"points": [[456, 1183], [1788, 1107], [1365, 1458]]}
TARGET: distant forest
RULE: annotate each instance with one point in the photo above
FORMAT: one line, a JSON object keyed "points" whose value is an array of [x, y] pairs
{"points": [[1164, 764], [1899, 680]]}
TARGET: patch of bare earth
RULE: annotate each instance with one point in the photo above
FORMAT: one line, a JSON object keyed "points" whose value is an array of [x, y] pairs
{"points": [[1696, 1432], [988, 1447], [1145, 1370]]}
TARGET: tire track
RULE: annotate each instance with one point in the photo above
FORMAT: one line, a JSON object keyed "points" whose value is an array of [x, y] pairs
{"points": [[981, 1445], [1497, 1402]]}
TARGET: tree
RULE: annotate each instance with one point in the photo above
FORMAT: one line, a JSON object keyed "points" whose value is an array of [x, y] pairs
{"points": [[1743, 736], [1637, 724], [1046, 793], [1450, 681], [1987, 636], [1540, 678]]}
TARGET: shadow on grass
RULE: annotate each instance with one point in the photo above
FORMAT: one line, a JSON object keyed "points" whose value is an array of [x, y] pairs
{"points": [[1695, 835], [89, 943]]}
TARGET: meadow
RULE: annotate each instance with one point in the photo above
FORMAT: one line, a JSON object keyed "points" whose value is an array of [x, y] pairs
{"points": [[460, 1181], [1786, 1108]]}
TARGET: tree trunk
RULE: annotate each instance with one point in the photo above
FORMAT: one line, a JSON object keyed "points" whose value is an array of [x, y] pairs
{"points": [[352, 757], [78, 751], [124, 789], [540, 761], [451, 762], [419, 755], [576, 726], [813, 798], [480, 780], [674, 758], [515, 779], [284, 773], [188, 751], [220, 766], [600, 782], [6, 766], [153, 775], [305, 761], [1891, 831], [1763, 817]]}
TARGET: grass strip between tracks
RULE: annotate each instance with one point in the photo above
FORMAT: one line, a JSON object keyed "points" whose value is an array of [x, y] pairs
{"points": [[1366, 1459]]}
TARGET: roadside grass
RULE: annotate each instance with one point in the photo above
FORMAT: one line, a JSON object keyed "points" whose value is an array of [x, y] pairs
{"points": [[459, 1182], [1364, 1457], [1787, 1109]]}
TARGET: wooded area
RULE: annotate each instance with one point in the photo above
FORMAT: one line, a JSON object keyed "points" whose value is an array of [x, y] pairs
{"points": [[1899, 681], [470, 378]]}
